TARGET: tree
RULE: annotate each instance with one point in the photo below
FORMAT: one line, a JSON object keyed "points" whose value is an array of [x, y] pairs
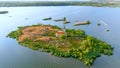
{"points": [[62, 37]]}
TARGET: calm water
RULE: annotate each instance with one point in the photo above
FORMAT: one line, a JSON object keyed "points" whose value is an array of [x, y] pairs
{"points": [[13, 55]]}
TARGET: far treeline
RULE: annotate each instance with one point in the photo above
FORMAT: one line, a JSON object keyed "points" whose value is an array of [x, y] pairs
{"points": [[52, 3]]}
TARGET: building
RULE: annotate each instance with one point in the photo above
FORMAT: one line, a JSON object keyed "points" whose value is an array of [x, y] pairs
{"points": [[61, 32]]}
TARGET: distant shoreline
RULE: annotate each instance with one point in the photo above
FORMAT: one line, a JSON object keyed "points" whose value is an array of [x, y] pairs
{"points": [[56, 3]]}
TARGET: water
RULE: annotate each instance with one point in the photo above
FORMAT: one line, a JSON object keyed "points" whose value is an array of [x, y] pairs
{"points": [[13, 55]]}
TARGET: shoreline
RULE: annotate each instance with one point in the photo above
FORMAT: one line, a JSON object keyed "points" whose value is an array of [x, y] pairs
{"points": [[53, 3]]}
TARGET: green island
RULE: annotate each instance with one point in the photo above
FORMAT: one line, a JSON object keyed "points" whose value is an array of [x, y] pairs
{"points": [[47, 18], [62, 42], [3, 12], [64, 19], [82, 23]]}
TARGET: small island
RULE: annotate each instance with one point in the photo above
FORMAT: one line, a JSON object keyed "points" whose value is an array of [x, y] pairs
{"points": [[3, 12], [62, 42], [47, 18], [82, 23], [64, 20]]}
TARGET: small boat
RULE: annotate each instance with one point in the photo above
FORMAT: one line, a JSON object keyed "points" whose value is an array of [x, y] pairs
{"points": [[98, 24], [107, 30], [47, 18], [3, 12]]}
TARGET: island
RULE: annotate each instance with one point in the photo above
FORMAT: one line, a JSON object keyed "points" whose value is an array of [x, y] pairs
{"points": [[64, 20], [56, 20], [3, 12], [62, 42], [82, 23], [98, 24], [47, 18]]}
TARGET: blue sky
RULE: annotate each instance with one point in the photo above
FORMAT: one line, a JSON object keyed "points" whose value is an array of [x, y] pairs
{"points": [[48, 0], [44, 0]]}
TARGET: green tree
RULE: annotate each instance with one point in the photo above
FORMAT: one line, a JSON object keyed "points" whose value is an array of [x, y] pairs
{"points": [[62, 37]]}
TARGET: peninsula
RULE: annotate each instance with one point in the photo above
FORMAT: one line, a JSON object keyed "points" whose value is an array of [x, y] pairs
{"points": [[62, 42]]}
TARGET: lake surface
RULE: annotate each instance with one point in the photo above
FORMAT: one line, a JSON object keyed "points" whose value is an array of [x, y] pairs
{"points": [[13, 55]]}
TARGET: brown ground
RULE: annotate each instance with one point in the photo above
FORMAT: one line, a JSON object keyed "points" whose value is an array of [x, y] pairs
{"points": [[35, 33]]}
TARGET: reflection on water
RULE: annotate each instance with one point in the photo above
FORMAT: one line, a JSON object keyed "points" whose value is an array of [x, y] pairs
{"points": [[12, 55]]}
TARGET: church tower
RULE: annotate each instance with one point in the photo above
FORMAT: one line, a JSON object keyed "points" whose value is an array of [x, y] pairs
{"points": [[64, 29]]}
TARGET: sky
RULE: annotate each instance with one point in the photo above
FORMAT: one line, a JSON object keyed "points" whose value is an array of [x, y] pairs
{"points": [[44, 0], [48, 0]]}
